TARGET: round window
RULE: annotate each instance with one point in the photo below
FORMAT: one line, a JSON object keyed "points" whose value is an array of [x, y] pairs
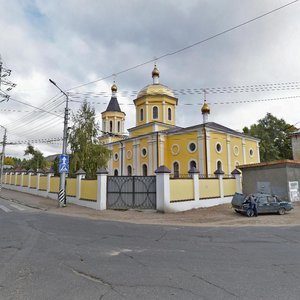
{"points": [[116, 156], [144, 152], [251, 152], [192, 147], [218, 147]]}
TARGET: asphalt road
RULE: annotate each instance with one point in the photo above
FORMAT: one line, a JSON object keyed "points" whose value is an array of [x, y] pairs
{"points": [[46, 256]]}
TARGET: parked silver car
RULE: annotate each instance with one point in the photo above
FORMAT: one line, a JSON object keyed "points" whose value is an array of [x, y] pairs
{"points": [[265, 203]]}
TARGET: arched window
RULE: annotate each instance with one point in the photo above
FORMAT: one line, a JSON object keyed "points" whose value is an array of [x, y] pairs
{"points": [[219, 165], [169, 114], [145, 170], [142, 114], [155, 112], [116, 173], [193, 164], [176, 169], [119, 126], [129, 171], [110, 126]]}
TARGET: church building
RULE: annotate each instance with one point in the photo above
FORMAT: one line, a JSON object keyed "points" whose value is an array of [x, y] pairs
{"points": [[156, 140]]}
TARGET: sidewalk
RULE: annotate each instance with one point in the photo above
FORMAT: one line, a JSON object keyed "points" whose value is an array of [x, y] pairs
{"points": [[221, 215]]}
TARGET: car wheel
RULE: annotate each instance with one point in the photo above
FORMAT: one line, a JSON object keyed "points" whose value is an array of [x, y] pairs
{"points": [[281, 211], [237, 211], [250, 212]]}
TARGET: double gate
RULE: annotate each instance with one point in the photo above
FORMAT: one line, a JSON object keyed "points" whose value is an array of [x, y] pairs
{"points": [[124, 192]]}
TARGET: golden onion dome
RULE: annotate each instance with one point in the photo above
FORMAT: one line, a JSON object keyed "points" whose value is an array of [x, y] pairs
{"points": [[114, 88], [155, 72], [155, 89], [205, 108]]}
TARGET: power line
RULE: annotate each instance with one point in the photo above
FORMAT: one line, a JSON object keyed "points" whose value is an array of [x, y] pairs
{"points": [[187, 47]]}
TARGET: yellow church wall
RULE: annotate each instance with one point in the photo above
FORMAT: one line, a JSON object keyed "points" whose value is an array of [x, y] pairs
{"points": [[71, 187], [141, 131], [251, 145], [220, 138], [209, 188], [33, 182], [128, 154], [144, 144], [88, 190], [176, 149], [181, 189], [236, 154], [25, 180], [115, 163], [43, 183], [229, 186]]}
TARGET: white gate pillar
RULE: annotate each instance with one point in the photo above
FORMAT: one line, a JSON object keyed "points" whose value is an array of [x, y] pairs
{"points": [[101, 188], [163, 189], [237, 175], [80, 174], [195, 175]]}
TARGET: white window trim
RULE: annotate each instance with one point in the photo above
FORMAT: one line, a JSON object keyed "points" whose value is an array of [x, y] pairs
{"points": [[169, 108], [129, 154], [144, 148], [188, 147], [141, 114], [144, 163], [172, 150], [236, 150], [218, 143], [219, 160], [116, 159], [189, 163], [175, 161], [251, 155], [131, 169]]}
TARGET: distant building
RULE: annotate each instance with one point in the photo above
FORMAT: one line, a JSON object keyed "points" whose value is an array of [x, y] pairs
{"points": [[295, 137], [156, 140]]}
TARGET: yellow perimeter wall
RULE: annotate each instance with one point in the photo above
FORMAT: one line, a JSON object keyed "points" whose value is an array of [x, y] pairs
{"points": [[88, 190], [71, 187], [209, 188], [25, 180], [229, 186], [19, 180], [13, 179], [33, 182], [181, 189], [54, 185], [43, 183]]}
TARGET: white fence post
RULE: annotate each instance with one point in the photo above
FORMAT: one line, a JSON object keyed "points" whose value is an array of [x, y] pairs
{"points": [[101, 188], [162, 188], [219, 173], [80, 174], [195, 175], [237, 175], [50, 173]]}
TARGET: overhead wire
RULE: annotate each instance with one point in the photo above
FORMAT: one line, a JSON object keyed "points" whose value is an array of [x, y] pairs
{"points": [[186, 47]]}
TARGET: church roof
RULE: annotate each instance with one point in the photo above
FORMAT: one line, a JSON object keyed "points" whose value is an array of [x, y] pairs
{"points": [[113, 105], [155, 89]]}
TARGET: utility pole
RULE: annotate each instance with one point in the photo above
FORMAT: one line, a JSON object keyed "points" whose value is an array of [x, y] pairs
{"points": [[63, 171], [2, 156]]}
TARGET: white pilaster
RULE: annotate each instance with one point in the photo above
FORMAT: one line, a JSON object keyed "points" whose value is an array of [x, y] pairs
{"points": [[150, 149], [244, 151], [164, 112], [147, 111], [228, 154], [208, 152], [201, 154], [161, 150], [257, 150]]}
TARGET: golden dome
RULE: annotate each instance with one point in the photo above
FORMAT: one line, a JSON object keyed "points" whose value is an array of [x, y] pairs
{"points": [[114, 87], [155, 89], [155, 72], [205, 108]]}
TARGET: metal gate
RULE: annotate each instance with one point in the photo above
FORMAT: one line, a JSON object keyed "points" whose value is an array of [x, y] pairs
{"points": [[125, 192]]}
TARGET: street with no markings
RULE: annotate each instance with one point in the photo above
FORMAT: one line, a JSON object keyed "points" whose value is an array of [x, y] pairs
{"points": [[48, 256]]}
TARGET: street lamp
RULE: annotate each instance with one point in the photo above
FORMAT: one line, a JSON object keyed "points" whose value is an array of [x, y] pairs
{"points": [[62, 184], [2, 157]]}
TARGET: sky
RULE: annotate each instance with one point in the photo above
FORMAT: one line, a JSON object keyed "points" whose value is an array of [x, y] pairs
{"points": [[83, 46]]}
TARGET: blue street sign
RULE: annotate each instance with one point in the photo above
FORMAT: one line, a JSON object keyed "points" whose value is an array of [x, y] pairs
{"points": [[63, 163]]}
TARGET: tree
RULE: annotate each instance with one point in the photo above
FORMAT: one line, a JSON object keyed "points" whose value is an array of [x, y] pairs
{"points": [[86, 151], [273, 133], [37, 161], [8, 160]]}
